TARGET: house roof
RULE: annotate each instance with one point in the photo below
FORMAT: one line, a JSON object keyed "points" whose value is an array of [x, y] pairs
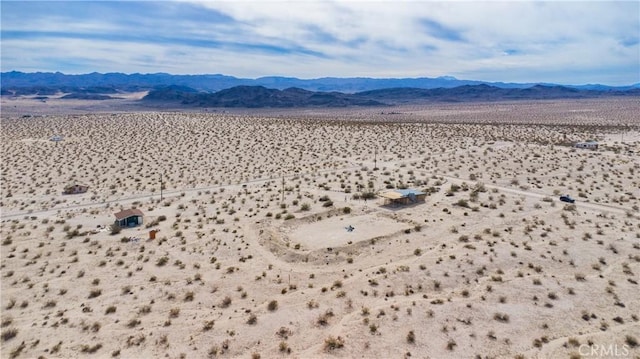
{"points": [[400, 193], [390, 195], [409, 191], [128, 213]]}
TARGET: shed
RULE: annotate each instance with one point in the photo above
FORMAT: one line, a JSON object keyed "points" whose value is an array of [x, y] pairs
{"points": [[403, 196], [75, 189], [129, 218], [591, 145]]}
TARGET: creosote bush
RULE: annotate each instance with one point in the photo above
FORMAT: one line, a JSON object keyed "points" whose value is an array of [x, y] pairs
{"points": [[333, 343], [273, 305]]}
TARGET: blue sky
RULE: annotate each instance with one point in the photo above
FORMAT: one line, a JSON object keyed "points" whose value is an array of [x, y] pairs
{"points": [[567, 42]]}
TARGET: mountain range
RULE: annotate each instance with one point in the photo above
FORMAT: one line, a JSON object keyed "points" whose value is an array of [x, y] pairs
{"points": [[278, 92], [260, 96], [217, 82]]}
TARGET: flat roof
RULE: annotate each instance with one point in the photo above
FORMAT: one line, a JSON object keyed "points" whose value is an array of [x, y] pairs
{"points": [[390, 195], [400, 193]]}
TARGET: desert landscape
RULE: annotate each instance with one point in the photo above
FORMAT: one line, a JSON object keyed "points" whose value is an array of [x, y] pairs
{"points": [[263, 234]]}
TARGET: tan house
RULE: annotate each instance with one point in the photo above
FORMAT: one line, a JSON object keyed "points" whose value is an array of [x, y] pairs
{"points": [[129, 218], [402, 196]]}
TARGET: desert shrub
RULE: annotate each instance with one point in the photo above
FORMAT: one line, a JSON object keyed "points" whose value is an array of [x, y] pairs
{"points": [[208, 325], [9, 334], [146, 309], [368, 195], [162, 261], [133, 322], [90, 349], [501, 317], [174, 312], [273, 305], [451, 344], [323, 319], [284, 347], [114, 229], [226, 302], [50, 304], [333, 343], [411, 337]]}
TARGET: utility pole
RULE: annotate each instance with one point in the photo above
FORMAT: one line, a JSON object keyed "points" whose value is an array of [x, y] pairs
{"points": [[375, 159], [282, 188], [161, 186]]}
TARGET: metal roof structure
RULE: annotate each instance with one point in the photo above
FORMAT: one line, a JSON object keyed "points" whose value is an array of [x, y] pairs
{"points": [[128, 213], [400, 193]]}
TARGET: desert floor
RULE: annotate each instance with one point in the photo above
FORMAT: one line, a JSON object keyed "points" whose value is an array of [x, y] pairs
{"points": [[252, 258]]}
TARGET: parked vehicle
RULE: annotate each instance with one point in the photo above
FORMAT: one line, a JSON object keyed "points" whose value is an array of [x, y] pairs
{"points": [[567, 198]]}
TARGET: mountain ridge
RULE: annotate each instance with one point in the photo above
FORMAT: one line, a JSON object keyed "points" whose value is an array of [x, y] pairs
{"points": [[215, 82], [262, 97]]}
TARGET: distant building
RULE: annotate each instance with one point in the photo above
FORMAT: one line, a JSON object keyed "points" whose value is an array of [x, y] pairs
{"points": [[75, 189], [591, 145], [129, 218], [402, 196]]}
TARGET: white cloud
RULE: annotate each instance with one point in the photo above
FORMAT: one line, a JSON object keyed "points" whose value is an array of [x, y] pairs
{"points": [[566, 42]]}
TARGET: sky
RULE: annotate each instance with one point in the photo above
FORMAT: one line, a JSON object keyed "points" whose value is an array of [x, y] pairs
{"points": [[564, 42]]}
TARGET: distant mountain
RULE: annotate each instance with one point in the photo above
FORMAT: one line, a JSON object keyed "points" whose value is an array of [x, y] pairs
{"points": [[261, 97], [284, 92], [481, 92], [29, 82], [257, 97]]}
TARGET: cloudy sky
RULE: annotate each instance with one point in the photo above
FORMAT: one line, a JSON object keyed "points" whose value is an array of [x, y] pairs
{"points": [[567, 42]]}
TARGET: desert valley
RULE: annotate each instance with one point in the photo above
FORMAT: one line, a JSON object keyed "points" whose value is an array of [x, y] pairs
{"points": [[264, 233]]}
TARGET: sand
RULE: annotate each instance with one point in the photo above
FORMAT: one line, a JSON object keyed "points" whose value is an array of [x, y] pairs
{"points": [[252, 258]]}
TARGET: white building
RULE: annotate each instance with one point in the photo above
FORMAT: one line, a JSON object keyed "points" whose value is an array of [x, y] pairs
{"points": [[591, 145]]}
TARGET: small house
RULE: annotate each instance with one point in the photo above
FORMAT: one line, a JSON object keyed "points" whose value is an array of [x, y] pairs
{"points": [[402, 196], [590, 145], [75, 189], [129, 218]]}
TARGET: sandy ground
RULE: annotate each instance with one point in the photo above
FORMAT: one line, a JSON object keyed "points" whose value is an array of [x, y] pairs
{"points": [[252, 259], [334, 232]]}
